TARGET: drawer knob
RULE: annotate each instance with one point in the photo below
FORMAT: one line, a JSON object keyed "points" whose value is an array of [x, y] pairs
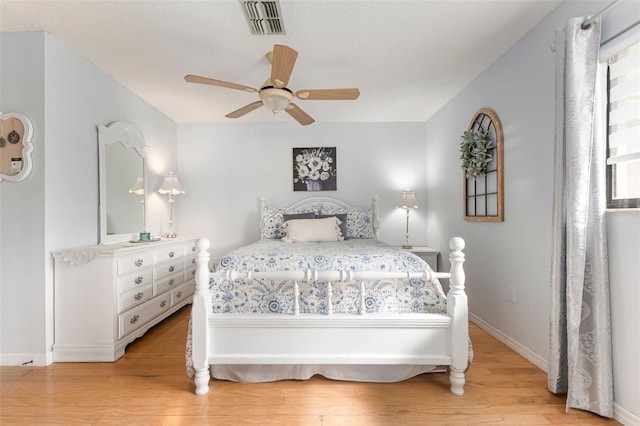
{"points": [[138, 280], [193, 249], [179, 295], [163, 303], [193, 261], [172, 253], [172, 281], [138, 296], [138, 263], [172, 268], [134, 319]]}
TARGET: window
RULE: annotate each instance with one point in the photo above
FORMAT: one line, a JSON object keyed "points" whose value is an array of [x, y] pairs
{"points": [[623, 141]]}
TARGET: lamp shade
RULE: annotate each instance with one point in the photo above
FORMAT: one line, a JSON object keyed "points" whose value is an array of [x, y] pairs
{"points": [[171, 185], [138, 186], [408, 200]]}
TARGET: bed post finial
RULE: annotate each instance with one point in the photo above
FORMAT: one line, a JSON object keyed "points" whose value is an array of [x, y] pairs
{"points": [[199, 312], [456, 257], [457, 308], [202, 270]]}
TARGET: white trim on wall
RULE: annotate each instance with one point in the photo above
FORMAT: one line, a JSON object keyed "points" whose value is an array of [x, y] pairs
{"points": [[30, 360], [620, 414], [513, 344], [624, 416]]}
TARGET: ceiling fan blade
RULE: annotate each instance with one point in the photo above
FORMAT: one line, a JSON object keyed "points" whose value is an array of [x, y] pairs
{"points": [[205, 80], [329, 94], [282, 62], [299, 115], [244, 110]]}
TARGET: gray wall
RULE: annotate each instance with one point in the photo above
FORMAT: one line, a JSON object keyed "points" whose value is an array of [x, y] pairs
{"points": [[56, 207], [519, 87], [226, 168], [22, 292]]}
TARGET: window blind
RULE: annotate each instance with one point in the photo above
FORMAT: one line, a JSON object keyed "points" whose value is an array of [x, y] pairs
{"points": [[624, 106]]}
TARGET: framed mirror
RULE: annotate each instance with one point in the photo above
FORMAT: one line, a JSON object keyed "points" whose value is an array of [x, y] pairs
{"points": [[122, 175]]}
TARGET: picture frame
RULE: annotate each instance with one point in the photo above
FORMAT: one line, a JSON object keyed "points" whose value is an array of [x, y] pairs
{"points": [[315, 169]]}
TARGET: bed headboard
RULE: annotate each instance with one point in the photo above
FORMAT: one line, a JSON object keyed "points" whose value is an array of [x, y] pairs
{"points": [[320, 205]]}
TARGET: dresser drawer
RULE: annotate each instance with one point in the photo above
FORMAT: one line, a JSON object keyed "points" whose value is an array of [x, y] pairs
{"points": [[190, 249], [190, 266], [169, 254], [190, 261], [182, 293], [190, 274], [136, 280], [167, 283], [134, 263], [135, 297], [140, 315], [169, 268]]}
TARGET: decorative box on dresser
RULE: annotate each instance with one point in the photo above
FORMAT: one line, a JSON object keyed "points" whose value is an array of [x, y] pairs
{"points": [[108, 295]]}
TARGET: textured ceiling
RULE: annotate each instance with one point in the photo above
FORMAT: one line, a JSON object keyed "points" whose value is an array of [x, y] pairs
{"points": [[408, 58]]}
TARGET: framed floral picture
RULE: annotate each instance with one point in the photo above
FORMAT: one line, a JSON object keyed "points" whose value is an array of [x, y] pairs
{"points": [[314, 169]]}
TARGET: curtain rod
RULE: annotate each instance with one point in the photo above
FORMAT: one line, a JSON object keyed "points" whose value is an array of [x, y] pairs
{"points": [[587, 22]]}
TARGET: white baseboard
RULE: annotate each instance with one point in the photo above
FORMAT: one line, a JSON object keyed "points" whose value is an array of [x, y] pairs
{"points": [[624, 416], [620, 414], [520, 349], [39, 360]]}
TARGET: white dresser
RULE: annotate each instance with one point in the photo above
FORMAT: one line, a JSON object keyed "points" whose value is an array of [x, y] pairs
{"points": [[106, 296]]}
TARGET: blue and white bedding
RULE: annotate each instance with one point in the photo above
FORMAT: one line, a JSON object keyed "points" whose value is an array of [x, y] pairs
{"points": [[360, 250], [267, 296]]}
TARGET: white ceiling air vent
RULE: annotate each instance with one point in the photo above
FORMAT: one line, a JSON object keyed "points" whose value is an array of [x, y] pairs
{"points": [[263, 16]]}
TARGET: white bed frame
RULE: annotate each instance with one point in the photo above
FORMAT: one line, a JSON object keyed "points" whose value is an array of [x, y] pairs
{"points": [[301, 338]]}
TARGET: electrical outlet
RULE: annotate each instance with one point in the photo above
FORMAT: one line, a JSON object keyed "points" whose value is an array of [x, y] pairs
{"points": [[512, 294]]}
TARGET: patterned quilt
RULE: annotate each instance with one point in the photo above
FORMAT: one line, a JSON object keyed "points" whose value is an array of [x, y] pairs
{"points": [[268, 296]]}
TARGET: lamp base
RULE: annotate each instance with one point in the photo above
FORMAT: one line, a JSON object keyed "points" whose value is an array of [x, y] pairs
{"points": [[170, 235], [407, 246]]}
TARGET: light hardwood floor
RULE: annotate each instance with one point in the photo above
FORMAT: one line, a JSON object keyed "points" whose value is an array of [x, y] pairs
{"points": [[149, 386]]}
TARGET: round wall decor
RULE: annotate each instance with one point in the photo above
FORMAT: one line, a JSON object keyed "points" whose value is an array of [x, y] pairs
{"points": [[16, 131]]}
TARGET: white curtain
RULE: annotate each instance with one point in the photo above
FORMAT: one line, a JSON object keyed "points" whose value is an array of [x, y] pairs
{"points": [[580, 345]]}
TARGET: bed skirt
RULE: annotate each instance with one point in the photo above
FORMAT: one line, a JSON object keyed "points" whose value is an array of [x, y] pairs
{"points": [[353, 373]]}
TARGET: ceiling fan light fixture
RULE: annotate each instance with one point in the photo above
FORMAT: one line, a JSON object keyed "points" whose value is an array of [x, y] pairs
{"points": [[275, 100], [274, 93]]}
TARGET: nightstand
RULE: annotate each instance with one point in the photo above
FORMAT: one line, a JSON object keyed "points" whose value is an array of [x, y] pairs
{"points": [[428, 254]]}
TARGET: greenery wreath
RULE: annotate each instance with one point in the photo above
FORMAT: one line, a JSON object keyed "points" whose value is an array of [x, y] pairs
{"points": [[475, 149]]}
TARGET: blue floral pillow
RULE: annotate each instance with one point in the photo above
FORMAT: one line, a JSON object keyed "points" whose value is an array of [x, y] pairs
{"points": [[359, 222], [272, 222]]}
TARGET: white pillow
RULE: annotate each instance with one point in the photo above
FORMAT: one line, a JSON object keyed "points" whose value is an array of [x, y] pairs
{"points": [[304, 230]]}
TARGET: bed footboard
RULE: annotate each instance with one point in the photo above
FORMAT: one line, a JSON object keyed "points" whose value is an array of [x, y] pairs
{"points": [[409, 339]]}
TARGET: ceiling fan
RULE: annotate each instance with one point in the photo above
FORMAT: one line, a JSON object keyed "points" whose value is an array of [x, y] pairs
{"points": [[274, 94]]}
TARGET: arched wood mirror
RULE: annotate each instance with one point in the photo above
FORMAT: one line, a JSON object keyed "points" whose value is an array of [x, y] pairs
{"points": [[121, 153], [483, 195]]}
